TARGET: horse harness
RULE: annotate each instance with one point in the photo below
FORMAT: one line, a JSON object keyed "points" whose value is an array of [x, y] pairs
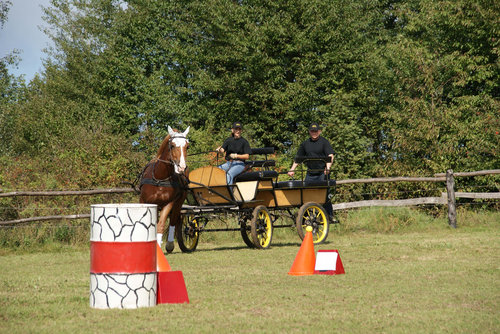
{"points": [[173, 181]]}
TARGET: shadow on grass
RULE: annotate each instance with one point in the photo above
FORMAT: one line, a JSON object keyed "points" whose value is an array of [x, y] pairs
{"points": [[225, 248]]}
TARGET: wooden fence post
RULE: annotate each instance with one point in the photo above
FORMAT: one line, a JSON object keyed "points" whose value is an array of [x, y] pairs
{"points": [[450, 188]]}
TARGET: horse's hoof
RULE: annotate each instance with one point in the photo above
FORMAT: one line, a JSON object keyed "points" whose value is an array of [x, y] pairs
{"points": [[169, 247]]}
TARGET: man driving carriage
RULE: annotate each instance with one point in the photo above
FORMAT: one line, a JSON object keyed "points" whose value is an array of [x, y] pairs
{"points": [[237, 150]]}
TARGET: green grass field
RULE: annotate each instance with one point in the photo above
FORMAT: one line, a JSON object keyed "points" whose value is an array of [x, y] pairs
{"points": [[425, 278]]}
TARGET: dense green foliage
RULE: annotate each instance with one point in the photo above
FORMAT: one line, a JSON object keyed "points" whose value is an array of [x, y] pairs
{"points": [[447, 71], [401, 87]]}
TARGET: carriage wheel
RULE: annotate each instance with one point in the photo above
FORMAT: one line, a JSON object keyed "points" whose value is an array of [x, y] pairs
{"points": [[188, 235], [246, 233], [312, 214], [261, 227]]}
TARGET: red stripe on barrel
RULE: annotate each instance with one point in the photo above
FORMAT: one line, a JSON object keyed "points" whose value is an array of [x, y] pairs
{"points": [[122, 257]]}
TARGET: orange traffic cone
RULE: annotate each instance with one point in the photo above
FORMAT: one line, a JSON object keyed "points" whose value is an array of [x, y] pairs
{"points": [[161, 261], [305, 259]]}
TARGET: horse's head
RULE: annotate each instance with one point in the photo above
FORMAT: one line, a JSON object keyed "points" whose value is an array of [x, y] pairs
{"points": [[178, 145]]}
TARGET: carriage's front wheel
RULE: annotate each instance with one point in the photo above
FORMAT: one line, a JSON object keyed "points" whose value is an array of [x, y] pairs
{"points": [[188, 235], [314, 215], [261, 227]]}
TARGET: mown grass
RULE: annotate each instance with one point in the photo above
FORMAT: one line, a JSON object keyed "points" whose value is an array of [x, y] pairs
{"points": [[422, 277]]}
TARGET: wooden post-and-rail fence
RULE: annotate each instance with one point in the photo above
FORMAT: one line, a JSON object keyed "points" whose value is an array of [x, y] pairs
{"points": [[448, 198]]}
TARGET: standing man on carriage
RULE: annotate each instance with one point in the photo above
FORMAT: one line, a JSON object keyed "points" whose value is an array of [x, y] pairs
{"points": [[315, 147], [237, 150]]}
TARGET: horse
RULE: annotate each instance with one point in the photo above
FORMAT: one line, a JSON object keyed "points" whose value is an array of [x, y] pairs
{"points": [[164, 182]]}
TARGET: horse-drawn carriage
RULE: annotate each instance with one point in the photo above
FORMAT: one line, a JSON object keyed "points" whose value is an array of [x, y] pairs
{"points": [[257, 199]]}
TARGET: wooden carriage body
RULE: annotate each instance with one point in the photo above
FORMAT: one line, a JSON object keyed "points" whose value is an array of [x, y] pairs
{"points": [[258, 198], [208, 187]]}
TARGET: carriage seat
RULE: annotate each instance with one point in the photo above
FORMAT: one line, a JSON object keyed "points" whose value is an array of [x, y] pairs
{"points": [[295, 184], [259, 175], [292, 184], [262, 150], [260, 163], [319, 184], [262, 175]]}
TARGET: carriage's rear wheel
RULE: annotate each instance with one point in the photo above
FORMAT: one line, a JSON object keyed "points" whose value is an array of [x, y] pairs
{"points": [[188, 235], [261, 227], [314, 215], [246, 233]]}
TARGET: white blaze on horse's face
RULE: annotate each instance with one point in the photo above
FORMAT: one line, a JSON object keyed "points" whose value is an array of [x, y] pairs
{"points": [[180, 141]]}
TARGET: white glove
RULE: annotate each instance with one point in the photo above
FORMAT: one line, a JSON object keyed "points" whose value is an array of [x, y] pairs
{"points": [[233, 156]]}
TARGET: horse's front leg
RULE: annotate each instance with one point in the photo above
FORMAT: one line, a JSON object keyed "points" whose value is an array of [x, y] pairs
{"points": [[175, 216], [162, 222]]}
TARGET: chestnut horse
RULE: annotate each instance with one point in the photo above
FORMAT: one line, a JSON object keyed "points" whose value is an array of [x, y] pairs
{"points": [[164, 182]]}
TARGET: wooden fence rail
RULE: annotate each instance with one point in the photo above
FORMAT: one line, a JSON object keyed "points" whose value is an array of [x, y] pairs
{"points": [[448, 198], [396, 202], [68, 192], [33, 219], [477, 173], [393, 179]]}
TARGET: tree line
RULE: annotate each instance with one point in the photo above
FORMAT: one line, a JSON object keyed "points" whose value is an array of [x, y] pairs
{"points": [[401, 87]]}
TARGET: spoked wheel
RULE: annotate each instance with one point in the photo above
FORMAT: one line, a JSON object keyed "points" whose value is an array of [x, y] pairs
{"points": [[246, 233], [312, 214], [188, 235], [261, 227]]}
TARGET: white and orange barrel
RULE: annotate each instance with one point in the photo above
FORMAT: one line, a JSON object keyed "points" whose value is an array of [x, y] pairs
{"points": [[123, 255]]}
